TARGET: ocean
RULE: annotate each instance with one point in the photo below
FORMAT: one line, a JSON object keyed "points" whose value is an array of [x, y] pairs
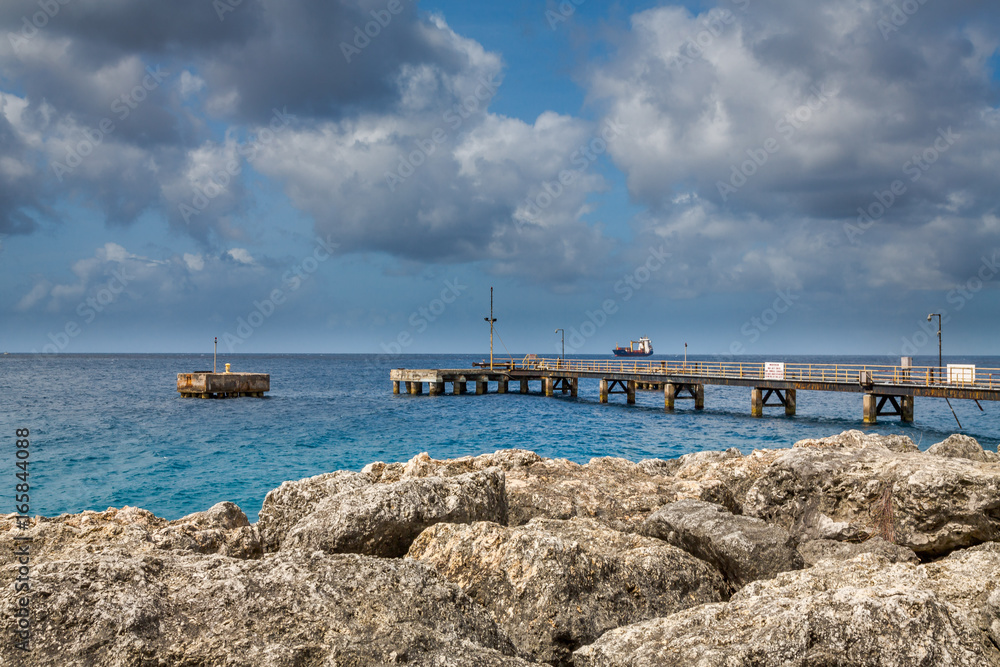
{"points": [[109, 430]]}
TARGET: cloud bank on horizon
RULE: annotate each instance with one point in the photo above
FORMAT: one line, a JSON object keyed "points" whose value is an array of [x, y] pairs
{"points": [[835, 149]]}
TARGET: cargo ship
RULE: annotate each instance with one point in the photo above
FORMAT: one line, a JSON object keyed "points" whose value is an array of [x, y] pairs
{"points": [[641, 348]]}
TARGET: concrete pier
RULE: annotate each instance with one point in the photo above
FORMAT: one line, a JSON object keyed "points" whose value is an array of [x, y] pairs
{"points": [[223, 385]]}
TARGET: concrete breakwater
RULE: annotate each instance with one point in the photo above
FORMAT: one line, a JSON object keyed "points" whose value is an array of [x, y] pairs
{"points": [[852, 549]]}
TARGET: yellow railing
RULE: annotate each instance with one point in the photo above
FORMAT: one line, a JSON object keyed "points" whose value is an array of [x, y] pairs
{"points": [[921, 376]]}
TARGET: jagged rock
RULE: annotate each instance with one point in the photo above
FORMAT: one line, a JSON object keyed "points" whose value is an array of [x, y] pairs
{"points": [[814, 551], [384, 519], [287, 609], [959, 447], [223, 529], [742, 548], [555, 585], [855, 439], [865, 611], [286, 505], [849, 491]]}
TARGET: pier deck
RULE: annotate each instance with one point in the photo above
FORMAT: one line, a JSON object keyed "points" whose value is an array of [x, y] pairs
{"points": [[887, 390], [222, 385]]}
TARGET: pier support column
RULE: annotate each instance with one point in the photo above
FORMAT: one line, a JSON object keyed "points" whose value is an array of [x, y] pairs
{"points": [[574, 386], [395, 386], [669, 392], [789, 402], [458, 386], [870, 408], [906, 408], [416, 388], [501, 386], [435, 388], [547, 386], [524, 385], [480, 387], [603, 391], [630, 392], [699, 397], [756, 402]]}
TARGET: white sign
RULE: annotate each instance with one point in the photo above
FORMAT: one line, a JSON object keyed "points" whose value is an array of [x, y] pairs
{"points": [[774, 371], [961, 373]]}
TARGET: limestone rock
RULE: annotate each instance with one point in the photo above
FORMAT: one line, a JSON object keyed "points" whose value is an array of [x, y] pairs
{"points": [[384, 519], [860, 612], [222, 529], [960, 447], [555, 585], [287, 609], [814, 551], [855, 439], [742, 548]]}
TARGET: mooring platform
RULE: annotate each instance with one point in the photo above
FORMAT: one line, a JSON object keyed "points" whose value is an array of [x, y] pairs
{"points": [[205, 384], [887, 390]]}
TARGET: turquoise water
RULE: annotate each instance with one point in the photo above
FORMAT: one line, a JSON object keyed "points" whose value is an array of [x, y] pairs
{"points": [[111, 430]]}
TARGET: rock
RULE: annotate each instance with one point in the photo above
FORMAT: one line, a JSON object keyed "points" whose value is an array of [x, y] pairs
{"points": [[555, 585], [223, 529], [959, 447], [814, 551], [849, 491], [970, 579], [742, 548], [289, 608], [859, 440], [384, 519], [865, 611]]}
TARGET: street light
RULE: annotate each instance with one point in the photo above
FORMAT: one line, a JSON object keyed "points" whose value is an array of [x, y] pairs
{"points": [[937, 315], [563, 343]]}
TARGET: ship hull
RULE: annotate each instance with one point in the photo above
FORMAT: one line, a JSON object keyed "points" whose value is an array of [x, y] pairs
{"points": [[631, 353]]}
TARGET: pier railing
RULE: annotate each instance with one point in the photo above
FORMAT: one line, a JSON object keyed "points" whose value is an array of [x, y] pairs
{"points": [[865, 374]]}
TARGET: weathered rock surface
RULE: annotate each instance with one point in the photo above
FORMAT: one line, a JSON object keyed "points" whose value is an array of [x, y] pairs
{"points": [[222, 529], [742, 548], [848, 488], [555, 585], [959, 446], [287, 609], [814, 551], [384, 519], [865, 611]]}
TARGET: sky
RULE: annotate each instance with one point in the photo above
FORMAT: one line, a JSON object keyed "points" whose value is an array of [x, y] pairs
{"points": [[747, 177]]}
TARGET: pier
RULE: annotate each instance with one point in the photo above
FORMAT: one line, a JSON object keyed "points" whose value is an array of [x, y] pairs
{"points": [[206, 384], [886, 390]]}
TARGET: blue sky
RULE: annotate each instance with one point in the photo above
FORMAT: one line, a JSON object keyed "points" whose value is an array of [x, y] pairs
{"points": [[748, 177]]}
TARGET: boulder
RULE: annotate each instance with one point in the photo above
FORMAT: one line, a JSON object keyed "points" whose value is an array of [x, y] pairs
{"points": [[855, 439], [865, 611], [848, 491], [384, 519], [223, 529], [959, 446], [742, 548], [813, 551], [555, 585], [286, 609]]}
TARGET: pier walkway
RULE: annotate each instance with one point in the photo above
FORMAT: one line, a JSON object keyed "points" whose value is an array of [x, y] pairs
{"points": [[886, 390]]}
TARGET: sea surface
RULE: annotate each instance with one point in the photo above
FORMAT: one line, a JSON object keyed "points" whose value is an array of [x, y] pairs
{"points": [[111, 430]]}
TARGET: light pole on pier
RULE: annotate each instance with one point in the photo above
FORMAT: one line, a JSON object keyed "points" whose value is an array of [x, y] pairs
{"points": [[937, 315], [563, 357], [491, 320]]}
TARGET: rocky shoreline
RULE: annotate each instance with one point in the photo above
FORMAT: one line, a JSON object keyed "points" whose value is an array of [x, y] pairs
{"points": [[849, 550]]}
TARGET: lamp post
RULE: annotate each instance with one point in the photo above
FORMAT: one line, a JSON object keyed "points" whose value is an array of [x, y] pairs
{"points": [[215, 353], [937, 315], [563, 357], [685, 355], [491, 320]]}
